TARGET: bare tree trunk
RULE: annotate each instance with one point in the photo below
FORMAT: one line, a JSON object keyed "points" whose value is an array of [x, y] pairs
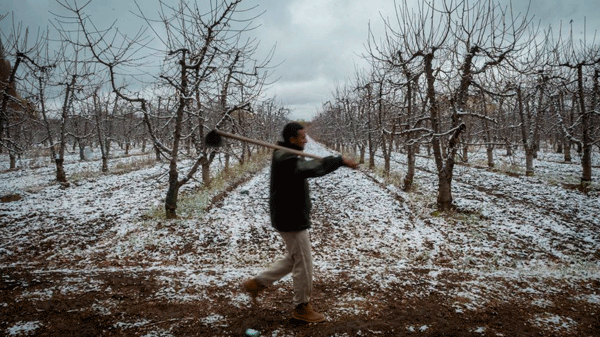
{"points": [[81, 146], [60, 169], [60, 159], [83, 141], [410, 169], [108, 134], [227, 157], [444, 165], [371, 154], [244, 155], [411, 148], [157, 152], [567, 147], [174, 184], [47, 123], [490, 156], [206, 173], [444, 198], [386, 153], [489, 139], [61, 176], [172, 195], [371, 144], [529, 155], [362, 154], [489, 147], [6, 97], [527, 140], [13, 160], [586, 157], [99, 130], [564, 138]]}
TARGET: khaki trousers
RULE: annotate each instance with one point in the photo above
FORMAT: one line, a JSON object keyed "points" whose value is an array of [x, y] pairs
{"points": [[298, 261]]}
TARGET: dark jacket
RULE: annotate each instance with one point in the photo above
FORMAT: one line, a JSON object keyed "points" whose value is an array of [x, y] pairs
{"points": [[289, 194]]}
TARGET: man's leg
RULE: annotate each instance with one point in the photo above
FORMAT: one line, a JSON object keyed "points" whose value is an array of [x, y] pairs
{"points": [[298, 244], [302, 274], [298, 260], [277, 271]]}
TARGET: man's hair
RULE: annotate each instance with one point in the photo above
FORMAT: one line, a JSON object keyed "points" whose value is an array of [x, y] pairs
{"points": [[291, 130]]}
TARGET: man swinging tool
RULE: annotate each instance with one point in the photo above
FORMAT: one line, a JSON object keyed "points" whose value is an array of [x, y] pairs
{"points": [[290, 206]]}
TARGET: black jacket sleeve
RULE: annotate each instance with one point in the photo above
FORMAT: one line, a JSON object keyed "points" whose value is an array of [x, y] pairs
{"points": [[309, 168], [318, 167]]}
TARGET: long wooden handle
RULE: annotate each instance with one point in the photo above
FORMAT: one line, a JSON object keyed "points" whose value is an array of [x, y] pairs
{"points": [[265, 144]]}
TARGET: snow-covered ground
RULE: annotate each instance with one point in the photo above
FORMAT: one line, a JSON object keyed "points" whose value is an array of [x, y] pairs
{"points": [[520, 256]]}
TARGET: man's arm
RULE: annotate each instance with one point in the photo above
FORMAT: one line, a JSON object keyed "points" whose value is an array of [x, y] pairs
{"points": [[321, 167]]}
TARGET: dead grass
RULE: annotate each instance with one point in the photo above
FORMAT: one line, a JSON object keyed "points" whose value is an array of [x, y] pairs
{"points": [[194, 203], [390, 178], [512, 170], [134, 164]]}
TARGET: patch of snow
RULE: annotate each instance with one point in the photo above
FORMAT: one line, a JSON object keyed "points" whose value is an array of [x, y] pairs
{"points": [[160, 333], [23, 328], [591, 298], [215, 320], [555, 322], [37, 295], [480, 329], [542, 303], [125, 325]]}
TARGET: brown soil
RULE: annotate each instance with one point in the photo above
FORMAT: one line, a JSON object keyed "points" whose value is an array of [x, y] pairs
{"points": [[128, 297], [10, 198]]}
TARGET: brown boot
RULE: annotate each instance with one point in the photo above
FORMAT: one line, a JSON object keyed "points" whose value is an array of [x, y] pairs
{"points": [[253, 288], [304, 312]]}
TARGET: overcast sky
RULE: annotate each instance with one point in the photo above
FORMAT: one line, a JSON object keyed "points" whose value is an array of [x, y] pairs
{"points": [[319, 42]]}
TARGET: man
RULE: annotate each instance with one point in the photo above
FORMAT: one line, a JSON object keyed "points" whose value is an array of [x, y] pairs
{"points": [[290, 215]]}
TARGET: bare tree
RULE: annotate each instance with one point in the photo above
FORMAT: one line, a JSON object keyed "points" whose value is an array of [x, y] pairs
{"points": [[203, 48], [583, 57], [74, 74], [15, 110], [453, 46], [207, 65], [418, 41]]}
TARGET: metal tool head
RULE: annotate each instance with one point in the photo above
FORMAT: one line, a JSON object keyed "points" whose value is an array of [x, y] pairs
{"points": [[213, 139]]}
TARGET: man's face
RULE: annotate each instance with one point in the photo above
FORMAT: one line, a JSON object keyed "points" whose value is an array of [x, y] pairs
{"points": [[300, 139]]}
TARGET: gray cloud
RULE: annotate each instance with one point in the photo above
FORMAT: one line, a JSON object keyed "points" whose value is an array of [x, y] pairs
{"points": [[318, 41]]}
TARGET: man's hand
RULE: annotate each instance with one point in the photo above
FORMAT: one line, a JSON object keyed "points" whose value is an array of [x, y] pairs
{"points": [[350, 163]]}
